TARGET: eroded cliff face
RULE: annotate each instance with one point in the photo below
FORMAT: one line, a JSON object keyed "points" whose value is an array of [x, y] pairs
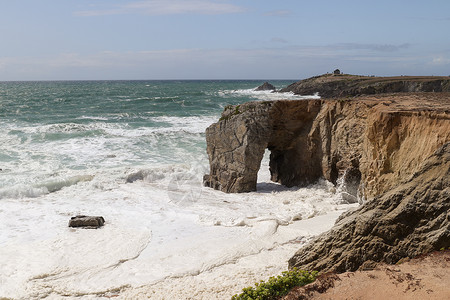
{"points": [[236, 144], [409, 220], [374, 142], [394, 150], [400, 135]]}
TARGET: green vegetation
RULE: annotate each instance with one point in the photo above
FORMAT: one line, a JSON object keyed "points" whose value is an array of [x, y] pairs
{"points": [[277, 287], [236, 112]]}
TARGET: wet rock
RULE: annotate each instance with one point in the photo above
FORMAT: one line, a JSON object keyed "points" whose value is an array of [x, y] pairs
{"points": [[139, 175], [265, 87], [87, 221]]}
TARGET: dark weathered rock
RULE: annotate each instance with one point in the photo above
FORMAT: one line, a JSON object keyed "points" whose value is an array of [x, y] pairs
{"points": [[265, 87], [407, 221], [236, 145], [87, 221], [330, 86]]}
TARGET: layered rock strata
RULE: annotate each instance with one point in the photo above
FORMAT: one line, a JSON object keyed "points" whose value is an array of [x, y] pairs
{"points": [[407, 221], [392, 149], [373, 142]]}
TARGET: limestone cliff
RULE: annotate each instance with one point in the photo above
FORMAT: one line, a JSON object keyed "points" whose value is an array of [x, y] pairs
{"points": [[341, 85], [409, 220], [375, 142]]}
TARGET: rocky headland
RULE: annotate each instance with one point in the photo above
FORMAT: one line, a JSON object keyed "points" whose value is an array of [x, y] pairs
{"points": [[388, 150], [342, 85]]}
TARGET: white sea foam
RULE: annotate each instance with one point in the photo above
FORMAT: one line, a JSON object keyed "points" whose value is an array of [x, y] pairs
{"points": [[266, 95], [162, 227], [194, 124], [36, 190], [29, 156]]}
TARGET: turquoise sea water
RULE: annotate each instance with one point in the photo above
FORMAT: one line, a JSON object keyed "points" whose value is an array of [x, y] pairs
{"points": [[82, 124]]}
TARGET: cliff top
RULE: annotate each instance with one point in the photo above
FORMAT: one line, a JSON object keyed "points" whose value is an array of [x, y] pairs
{"points": [[408, 102], [346, 77], [331, 85]]}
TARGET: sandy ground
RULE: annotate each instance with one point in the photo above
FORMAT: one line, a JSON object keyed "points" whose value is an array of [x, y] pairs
{"points": [[426, 277]]}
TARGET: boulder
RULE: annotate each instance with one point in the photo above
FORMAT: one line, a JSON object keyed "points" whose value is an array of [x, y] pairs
{"points": [[265, 87], [87, 221]]}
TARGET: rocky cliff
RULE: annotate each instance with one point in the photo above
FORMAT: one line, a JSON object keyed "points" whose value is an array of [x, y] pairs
{"points": [[382, 146], [341, 85], [373, 142], [406, 221]]}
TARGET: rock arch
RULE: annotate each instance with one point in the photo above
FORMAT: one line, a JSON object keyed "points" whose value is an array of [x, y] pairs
{"points": [[236, 145], [377, 141]]}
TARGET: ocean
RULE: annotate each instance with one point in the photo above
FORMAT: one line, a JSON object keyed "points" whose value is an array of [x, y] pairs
{"points": [[134, 152]]}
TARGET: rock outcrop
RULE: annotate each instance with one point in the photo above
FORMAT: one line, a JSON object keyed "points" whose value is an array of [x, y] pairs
{"points": [[236, 144], [342, 85], [373, 142], [407, 221], [87, 221], [393, 150], [265, 87]]}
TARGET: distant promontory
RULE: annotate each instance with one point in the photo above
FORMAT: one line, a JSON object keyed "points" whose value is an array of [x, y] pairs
{"points": [[342, 85]]}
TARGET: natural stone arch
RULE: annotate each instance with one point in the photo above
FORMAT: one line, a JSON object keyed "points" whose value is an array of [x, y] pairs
{"points": [[366, 141], [236, 145]]}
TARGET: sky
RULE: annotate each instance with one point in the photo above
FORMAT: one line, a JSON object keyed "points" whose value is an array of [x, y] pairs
{"points": [[221, 39]]}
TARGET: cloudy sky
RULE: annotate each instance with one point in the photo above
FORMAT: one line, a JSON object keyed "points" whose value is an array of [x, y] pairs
{"points": [[221, 39]]}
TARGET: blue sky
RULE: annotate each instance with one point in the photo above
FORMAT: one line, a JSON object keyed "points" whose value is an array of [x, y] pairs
{"points": [[221, 39]]}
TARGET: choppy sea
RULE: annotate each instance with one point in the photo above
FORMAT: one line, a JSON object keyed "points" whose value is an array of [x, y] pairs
{"points": [[133, 152]]}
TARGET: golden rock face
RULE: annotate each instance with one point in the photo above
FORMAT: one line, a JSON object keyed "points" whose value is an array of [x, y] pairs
{"points": [[391, 150], [383, 137]]}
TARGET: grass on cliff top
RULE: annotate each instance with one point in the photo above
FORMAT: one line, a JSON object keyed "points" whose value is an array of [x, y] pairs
{"points": [[277, 287]]}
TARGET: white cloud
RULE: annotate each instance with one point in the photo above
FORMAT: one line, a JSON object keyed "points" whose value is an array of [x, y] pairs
{"points": [[164, 7], [440, 60]]}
